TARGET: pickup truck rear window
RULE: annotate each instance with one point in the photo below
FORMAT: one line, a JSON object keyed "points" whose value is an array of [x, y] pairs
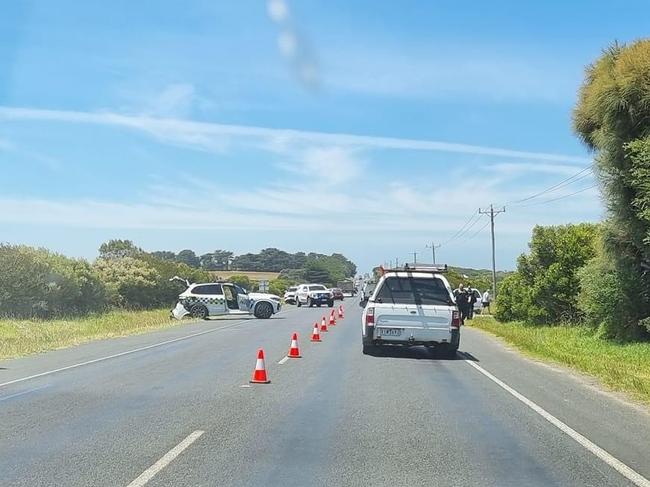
{"points": [[413, 290]]}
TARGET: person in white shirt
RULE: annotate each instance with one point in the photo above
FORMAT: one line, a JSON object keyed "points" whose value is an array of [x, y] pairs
{"points": [[486, 300]]}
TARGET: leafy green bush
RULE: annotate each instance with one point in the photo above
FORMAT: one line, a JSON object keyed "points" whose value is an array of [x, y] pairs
{"points": [[39, 283], [278, 286], [131, 282], [545, 287]]}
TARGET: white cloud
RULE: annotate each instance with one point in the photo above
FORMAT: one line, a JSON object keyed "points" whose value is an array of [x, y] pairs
{"points": [[450, 72], [327, 165], [200, 134], [174, 100]]}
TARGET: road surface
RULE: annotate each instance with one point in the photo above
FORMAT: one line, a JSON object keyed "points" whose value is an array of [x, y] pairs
{"points": [[175, 408]]}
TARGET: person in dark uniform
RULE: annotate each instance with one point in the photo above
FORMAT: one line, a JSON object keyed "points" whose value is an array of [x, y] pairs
{"points": [[472, 299], [462, 301]]}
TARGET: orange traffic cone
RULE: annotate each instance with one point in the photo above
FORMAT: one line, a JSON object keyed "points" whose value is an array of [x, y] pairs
{"points": [[332, 319], [315, 336], [294, 351], [259, 374], [341, 312], [323, 325]]}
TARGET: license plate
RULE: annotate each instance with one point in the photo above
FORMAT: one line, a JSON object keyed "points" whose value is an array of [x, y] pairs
{"points": [[390, 332]]}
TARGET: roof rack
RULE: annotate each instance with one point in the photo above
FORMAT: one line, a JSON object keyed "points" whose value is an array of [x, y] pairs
{"points": [[439, 268]]}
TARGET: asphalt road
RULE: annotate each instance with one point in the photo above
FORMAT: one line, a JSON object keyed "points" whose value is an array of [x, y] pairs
{"points": [[170, 411]]}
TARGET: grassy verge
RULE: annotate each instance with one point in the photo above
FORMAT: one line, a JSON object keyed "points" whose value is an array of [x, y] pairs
{"points": [[23, 337], [621, 366]]}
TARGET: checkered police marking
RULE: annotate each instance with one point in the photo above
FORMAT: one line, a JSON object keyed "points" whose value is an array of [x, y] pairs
{"points": [[203, 300]]}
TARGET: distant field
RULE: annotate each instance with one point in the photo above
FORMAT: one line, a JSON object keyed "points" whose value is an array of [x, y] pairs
{"points": [[253, 275]]}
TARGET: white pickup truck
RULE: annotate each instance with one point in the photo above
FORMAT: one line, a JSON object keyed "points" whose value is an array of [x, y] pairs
{"points": [[411, 306]]}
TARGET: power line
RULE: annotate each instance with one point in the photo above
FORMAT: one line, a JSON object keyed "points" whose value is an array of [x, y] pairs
{"points": [[560, 197], [479, 230], [565, 182], [457, 234]]}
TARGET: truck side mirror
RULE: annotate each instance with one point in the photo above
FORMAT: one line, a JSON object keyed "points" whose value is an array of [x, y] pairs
{"points": [[363, 302]]}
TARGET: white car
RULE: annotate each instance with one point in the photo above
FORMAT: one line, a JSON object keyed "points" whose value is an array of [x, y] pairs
{"points": [[290, 295], [224, 298], [314, 294], [414, 306]]}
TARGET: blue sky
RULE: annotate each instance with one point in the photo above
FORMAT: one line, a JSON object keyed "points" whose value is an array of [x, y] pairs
{"points": [[367, 127]]}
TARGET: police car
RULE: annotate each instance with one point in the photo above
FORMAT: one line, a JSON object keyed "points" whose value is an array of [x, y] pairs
{"points": [[223, 298]]}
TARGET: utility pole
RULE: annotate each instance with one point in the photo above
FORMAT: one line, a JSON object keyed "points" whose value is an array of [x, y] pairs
{"points": [[415, 257], [396, 263], [433, 248], [492, 213]]}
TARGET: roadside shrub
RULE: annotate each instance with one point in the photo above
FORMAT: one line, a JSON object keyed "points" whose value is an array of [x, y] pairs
{"points": [[39, 283], [278, 286], [545, 287], [131, 282]]}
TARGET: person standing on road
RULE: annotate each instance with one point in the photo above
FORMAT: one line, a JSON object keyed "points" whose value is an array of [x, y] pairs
{"points": [[486, 300], [462, 301], [471, 297]]}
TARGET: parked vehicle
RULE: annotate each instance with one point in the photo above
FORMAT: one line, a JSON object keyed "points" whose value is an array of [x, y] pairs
{"points": [[314, 294], [347, 286], [223, 298], [337, 293], [290, 295], [411, 306]]}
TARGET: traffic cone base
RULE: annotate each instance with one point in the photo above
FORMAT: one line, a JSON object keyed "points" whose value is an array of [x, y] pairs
{"points": [[315, 336], [259, 374], [294, 351]]}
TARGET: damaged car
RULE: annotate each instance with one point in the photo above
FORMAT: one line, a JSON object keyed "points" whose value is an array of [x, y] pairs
{"points": [[204, 300]]}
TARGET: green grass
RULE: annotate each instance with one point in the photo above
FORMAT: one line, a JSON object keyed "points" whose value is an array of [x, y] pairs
{"points": [[621, 366], [24, 337]]}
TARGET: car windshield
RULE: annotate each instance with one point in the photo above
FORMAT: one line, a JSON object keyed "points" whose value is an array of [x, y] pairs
{"points": [[317, 288], [413, 290]]}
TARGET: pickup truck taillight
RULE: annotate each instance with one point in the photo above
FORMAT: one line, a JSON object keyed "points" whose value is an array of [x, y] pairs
{"points": [[455, 319], [370, 317]]}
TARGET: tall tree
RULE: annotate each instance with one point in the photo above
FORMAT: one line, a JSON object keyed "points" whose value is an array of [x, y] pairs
{"points": [[117, 249], [612, 117], [188, 257], [164, 255]]}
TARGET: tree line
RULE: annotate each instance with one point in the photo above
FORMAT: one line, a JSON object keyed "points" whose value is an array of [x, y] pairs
{"points": [[267, 260], [44, 284], [599, 274]]}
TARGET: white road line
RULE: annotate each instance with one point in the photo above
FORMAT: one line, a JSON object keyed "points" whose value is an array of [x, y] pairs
{"points": [[128, 352], [284, 360], [22, 393], [121, 354], [148, 474], [613, 462]]}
